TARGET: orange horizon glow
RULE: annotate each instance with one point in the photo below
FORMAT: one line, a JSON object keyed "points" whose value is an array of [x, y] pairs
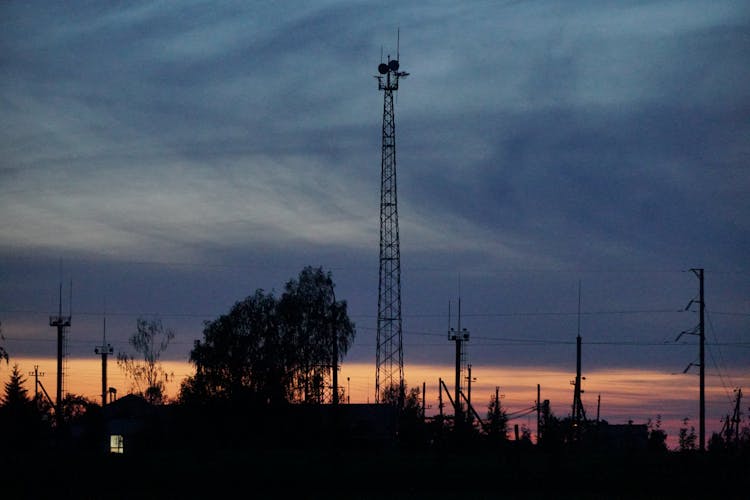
{"points": [[620, 395]]}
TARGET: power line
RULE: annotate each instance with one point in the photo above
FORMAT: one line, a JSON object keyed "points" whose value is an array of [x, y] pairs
{"points": [[565, 342], [544, 313], [532, 341], [710, 352], [121, 313], [85, 342], [369, 316]]}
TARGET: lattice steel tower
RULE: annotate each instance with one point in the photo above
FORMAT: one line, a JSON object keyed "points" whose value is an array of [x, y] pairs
{"points": [[390, 352]]}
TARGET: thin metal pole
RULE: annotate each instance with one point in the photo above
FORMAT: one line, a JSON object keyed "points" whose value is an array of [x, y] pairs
{"points": [[538, 411], [702, 332]]}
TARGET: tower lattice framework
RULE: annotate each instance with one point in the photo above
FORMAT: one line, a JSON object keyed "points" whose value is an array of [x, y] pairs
{"points": [[390, 352]]}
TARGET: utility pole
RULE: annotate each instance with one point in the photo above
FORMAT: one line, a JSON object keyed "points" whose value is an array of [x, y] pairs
{"points": [[468, 391], [538, 411], [497, 410], [730, 431], [424, 401], [702, 361], [104, 350], [440, 398], [36, 374], [735, 422], [701, 333]]}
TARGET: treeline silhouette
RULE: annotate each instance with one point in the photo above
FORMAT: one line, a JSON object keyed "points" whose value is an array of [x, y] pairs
{"points": [[258, 418]]}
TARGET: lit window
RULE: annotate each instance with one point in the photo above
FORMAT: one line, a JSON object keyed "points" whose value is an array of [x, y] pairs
{"points": [[116, 443]]}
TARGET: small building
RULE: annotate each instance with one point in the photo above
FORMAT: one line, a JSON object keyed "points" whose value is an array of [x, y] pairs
{"points": [[129, 424]]}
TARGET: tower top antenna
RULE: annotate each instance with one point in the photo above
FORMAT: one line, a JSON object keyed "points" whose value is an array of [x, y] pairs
{"points": [[398, 42], [389, 71]]}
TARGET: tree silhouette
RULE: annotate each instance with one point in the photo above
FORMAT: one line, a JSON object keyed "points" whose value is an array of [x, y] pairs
{"points": [[410, 422], [497, 419], [717, 443], [16, 395], [75, 406], [273, 350], [391, 394], [241, 351], [553, 430], [313, 320], [687, 438], [147, 376], [657, 438], [3, 352], [17, 412]]}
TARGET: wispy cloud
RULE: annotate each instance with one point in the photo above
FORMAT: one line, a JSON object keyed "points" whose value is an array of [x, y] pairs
{"points": [[531, 135]]}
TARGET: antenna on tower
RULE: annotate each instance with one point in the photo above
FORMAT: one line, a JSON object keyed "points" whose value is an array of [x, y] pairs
{"points": [[579, 307], [449, 319], [398, 42]]}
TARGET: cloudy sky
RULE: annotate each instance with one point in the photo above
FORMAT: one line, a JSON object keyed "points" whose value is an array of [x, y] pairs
{"points": [[169, 158]]}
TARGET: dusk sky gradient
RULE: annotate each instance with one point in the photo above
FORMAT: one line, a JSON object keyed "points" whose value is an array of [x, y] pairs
{"points": [[170, 158]]}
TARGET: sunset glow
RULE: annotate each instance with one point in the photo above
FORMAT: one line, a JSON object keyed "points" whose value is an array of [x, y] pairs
{"points": [[623, 395]]}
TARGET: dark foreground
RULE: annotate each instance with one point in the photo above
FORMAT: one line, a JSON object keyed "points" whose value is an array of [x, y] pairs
{"points": [[384, 472]]}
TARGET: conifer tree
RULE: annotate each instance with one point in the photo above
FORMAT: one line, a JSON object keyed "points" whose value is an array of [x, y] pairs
{"points": [[16, 395]]}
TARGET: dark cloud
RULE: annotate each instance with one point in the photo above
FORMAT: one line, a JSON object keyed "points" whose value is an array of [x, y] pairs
{"points": [[178, 158]]}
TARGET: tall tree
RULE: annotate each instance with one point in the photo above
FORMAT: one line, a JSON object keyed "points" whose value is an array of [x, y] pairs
{"points": [[313, 320], [18, 418], [147, 376], [241, 351], [276, 350], [16, 395]]}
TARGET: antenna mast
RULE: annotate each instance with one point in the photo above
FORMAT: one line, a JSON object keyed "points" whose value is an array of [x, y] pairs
{"points": [[459, 336], [104, 350], [389, 351], [61, 323], [579, 414]]}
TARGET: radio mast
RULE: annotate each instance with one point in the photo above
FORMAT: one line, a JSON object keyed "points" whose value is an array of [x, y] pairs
{"points": [[390, 354], [62, 323]]}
